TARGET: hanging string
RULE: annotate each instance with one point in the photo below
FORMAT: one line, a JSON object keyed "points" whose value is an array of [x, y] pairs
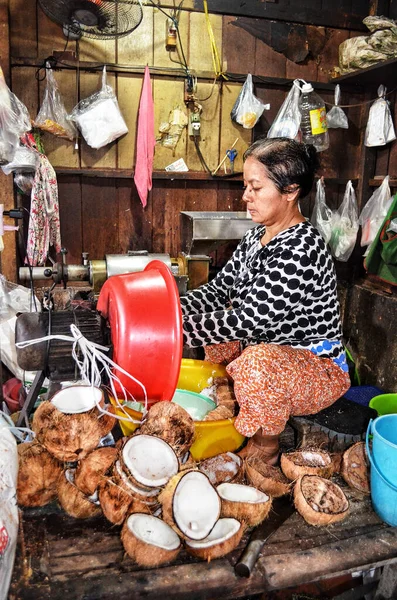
{"points": [[216, 61]]}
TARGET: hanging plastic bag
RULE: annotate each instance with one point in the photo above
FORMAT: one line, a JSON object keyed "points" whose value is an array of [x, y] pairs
{"points": [[99, 118], [345, 226], [380, 128], [288, 119], [336, 118], [25, 159], [52, 116], [322, 215], [247, 109], [374, 212], [9, 127]]}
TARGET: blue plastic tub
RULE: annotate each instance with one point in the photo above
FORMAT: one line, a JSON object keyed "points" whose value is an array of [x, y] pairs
{"points": [[383, 493], [384, 445]]}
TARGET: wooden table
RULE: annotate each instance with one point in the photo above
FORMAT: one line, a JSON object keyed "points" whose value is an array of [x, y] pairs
{"points": [[63, 558]]}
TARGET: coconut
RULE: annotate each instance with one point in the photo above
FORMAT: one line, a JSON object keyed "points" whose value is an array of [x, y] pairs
{"points": [[355, 468], [308, 461], [320, 501], [150, 460], [106, 421], [244, 503], [224, 538], [149, 541], [93, 467], [38, 473], [73, 501], [145, 494], [190, 505], [266, 478], [114, 500], [222, 468], [171, 423], [220, 413]]}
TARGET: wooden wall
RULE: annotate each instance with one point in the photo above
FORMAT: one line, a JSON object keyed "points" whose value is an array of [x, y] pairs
{"points": [[103, 214]]}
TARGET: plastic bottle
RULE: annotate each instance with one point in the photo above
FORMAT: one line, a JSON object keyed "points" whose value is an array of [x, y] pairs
{"points": [[313, 118]]}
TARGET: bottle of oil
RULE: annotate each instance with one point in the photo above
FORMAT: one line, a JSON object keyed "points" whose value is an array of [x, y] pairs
{"points": [[313, 118]]}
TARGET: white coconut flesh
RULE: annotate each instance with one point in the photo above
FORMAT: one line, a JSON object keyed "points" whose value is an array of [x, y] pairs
{"points": [[311, 458], [196, 505], [77, 399], [153, 531], [224, 529], [150, 460], [223, 465], [134, 488], [235, 492]]}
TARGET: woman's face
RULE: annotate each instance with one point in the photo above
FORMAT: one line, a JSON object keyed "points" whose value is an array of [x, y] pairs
{"points": [[265, 203]]}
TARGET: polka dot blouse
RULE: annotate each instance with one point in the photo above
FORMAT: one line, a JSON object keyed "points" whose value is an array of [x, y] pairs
{"points": [[282, 293]]}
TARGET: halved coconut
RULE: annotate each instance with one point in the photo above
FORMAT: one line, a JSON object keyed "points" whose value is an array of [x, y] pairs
{"points": [[308, 461], [171, 423], [76, 399], [146, 494], [38, 473], [149, 541], [355, 468], [93, 467], [73, 501], [190, 504], [224, 538], [150, 460], [220, 413], [244, 503], [222, 468], [320, 501], [266, 478]]}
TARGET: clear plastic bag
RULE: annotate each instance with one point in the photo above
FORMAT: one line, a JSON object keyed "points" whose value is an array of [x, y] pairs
{"points": [[345, 226], [322, 216], [25, 159], [288, 119], [24, 182], [52, 116], [247, 109], [393, 224], [374, 212], [380, 128], [336, 118], [9, 126], [99, 118]]}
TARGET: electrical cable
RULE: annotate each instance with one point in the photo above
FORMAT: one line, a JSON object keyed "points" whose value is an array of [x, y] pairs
{"points": [[199, 153], [53, 62]]}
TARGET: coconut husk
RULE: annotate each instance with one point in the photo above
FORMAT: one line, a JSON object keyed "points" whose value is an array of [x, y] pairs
{"points": [[220, 413], [250, 513], [336, 458], [106, 421], [226, 467], [306, 461], [171, 423], [134, 489], [225, 394], [38, 474], [216, 549], [320, 501], [355, 468], [68, 437], [114, 500], [144, 553], [188, 464], [266, 478], [74, 502], [93, 467]]}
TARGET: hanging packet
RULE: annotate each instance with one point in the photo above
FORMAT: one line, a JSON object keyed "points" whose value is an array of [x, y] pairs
{"points": [[345, 226], [380, 128], [288, 119], [248, 108], [336, 118], [374, 212], [322, 215], [52, 116], [99, 118]]}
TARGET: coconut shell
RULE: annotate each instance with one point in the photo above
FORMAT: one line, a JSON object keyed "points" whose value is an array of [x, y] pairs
{"points": [[38, 474], [217, 550], [266, 478], [355, 467], [134, 489], [115, 501], [93, 467], [143, 553], [246, 512], [223, 468], [320, 501], [171, 423], [74, 502], [220, 413], [308, 461]]}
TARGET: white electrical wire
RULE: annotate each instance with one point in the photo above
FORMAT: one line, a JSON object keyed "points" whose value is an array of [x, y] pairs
{"points": [[92, 365]]}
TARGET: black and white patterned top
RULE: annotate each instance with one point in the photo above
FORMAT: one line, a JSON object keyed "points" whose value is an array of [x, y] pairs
{"points": [[282, 293]]}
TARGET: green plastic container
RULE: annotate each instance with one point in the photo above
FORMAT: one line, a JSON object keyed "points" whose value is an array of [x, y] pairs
{"points": [[385, 404], [197, 405]]}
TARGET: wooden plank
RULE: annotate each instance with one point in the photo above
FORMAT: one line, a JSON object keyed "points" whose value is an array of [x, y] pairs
{"points": [[229, 130], [23, 38], [128, 95], [237, 43], [50, 36], [200, 55], [268, 62], [137, 48], [69, 193], [210, 128], [134, 221], [167, 202], [98, 51], [106, 156], [168, 94], [26, 87], [306, 70], [329, 57], [201, 196], [275, 98], [99, 217]]}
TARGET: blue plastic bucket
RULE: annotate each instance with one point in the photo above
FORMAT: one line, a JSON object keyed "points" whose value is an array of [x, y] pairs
{"points": [[384, 445], [383, 493]]}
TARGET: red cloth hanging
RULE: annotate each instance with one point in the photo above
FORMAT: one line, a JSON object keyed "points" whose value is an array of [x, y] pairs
{"points": [[145, 140]]}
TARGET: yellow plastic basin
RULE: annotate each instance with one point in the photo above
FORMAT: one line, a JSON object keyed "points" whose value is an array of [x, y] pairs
{"points": [[212, 437]]}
